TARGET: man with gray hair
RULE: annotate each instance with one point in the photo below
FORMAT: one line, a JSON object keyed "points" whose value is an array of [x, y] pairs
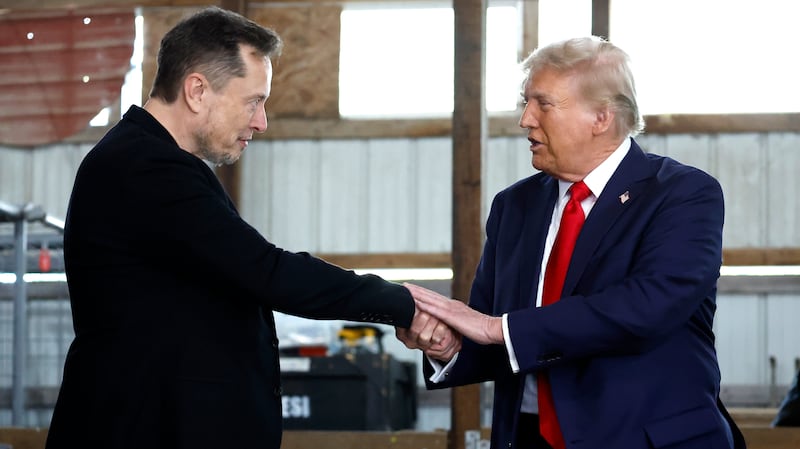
{"points": [[592, 307]]}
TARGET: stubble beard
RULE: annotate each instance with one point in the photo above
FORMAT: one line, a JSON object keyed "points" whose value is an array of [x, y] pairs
{"points": [[206, 152]]}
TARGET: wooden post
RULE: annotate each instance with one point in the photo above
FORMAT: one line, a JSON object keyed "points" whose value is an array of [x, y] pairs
{"points": [[230, 176], [470, 136], [601, 18], [530, 28]]}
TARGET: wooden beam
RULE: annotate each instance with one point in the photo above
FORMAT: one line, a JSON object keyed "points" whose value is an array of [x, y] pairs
{"points": [[772, 438], [389, 260], [505, 125], [730, 257], [470, 137], [238, 6], [757, 437], [360, 440], [757, 285], [530, 28], [230, 176], [601, 23], [23, 438], [721, 123], [761, 256]]}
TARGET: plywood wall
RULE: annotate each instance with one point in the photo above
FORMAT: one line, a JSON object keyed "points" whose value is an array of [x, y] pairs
{"points": [[306, 74]]}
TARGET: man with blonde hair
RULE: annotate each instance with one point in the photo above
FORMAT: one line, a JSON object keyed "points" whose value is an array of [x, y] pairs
{"points": [[593, 304]]}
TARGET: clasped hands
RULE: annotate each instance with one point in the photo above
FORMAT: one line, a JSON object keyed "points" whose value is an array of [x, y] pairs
{"points": [[439, 323]]}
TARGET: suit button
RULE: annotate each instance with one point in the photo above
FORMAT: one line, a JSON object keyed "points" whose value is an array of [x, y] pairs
{"points": [[278, 391], [275, 343]]}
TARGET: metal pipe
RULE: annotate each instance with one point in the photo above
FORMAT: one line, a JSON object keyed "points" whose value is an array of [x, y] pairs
{"points": [[20, 325]]}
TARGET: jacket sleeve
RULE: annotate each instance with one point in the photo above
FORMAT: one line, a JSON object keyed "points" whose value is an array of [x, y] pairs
{"points": [[181, 212]]}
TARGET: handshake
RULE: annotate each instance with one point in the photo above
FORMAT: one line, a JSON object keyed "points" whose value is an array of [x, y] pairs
{"points": [[439, 323]]}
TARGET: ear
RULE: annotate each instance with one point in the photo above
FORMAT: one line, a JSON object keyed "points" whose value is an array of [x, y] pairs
{"points": [[603, 121], [195, 87]]}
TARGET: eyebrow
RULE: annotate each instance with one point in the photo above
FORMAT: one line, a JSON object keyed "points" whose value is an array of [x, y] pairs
{"points": [[538, 96]]}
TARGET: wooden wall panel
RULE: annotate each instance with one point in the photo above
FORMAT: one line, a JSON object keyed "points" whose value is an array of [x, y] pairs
{"points": [[391, 191], [434, 200], [15, 175], [306, 76], [697, 150], [156, 23], [752, 168], [743, 177], [343, 220], [506, 160], [783, 335], [341, 196], [283, 202], [782, 186], [53, 174], [43, 176], [742, 339]]}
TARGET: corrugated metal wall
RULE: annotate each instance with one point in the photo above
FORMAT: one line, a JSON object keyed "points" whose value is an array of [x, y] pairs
{"points": [[393, 195]]}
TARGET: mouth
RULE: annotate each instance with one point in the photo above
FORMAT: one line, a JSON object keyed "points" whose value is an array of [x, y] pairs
{"points": [[244, 142], [534, 143]]}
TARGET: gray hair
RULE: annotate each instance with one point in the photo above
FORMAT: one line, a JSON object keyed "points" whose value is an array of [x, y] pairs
{"points": [[603, 71]]}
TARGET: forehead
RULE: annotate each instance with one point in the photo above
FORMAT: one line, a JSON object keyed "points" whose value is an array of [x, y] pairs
{"points": [[256, 63], [549, 81], [257, 75]]}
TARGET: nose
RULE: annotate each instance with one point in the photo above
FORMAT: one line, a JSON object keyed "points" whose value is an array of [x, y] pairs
{"points": [[259, 121], [528, 119]]}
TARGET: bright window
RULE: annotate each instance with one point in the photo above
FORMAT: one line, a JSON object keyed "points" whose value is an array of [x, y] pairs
{"points": [[563, 19], [131, 92], [711, 56], [398, 61]]}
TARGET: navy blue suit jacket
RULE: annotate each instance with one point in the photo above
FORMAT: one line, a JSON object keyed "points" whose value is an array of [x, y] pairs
{"points": [[629, 347]]}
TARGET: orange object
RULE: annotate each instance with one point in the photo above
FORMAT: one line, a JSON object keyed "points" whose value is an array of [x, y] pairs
{"points": [[45, 261]]}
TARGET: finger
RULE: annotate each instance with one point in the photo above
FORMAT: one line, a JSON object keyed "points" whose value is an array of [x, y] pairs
{"points": [[402, 334], [422, 328], [441, 333], [427, 334], [444, 311], [417, 323], [447, 341], [423, 294], [445, 353]]}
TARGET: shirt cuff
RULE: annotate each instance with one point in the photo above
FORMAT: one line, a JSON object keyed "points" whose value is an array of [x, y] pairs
{"points": [[512, 357], [440, 372]]}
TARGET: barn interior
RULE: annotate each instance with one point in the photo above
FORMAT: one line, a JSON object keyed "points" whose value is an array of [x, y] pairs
{"points": [[392, 126]]}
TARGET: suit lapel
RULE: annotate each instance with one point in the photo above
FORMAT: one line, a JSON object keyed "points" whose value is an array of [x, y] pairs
{"points": [[621, 193], [538, 211]]}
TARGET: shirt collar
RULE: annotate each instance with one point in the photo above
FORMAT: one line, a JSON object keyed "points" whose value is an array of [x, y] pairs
{"points": [[597, 179]]}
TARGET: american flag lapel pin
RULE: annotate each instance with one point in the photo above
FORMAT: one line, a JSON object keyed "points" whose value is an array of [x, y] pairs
{"points": [[624, 197]]}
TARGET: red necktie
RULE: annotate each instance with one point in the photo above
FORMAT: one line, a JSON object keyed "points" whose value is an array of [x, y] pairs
{"points": [[571, 223]]}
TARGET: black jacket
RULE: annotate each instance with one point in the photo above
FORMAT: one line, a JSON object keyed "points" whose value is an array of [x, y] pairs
{"points": [[172, 296]]}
